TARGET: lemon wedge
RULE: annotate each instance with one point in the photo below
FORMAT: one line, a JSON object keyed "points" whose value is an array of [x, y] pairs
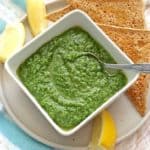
{"points": [[104, 132], [36, 12], [11, 40]]}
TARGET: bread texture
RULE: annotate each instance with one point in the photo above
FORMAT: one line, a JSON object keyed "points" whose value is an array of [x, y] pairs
{"points": [[136, 44], [54, 16], [132, 41], [124, 13], [137, 93]]}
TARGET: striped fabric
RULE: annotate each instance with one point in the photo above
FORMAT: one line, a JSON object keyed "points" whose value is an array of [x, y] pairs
{"points": [[10, 11]]}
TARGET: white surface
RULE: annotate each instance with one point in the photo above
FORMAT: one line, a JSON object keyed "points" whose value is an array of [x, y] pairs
{"points": [[17, 105]]}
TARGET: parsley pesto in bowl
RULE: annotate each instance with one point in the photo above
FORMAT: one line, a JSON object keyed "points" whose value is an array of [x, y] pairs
{"points": [[70, 88]]}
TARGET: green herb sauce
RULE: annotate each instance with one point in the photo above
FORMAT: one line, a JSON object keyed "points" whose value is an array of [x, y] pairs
{"points": [[67, 87]]}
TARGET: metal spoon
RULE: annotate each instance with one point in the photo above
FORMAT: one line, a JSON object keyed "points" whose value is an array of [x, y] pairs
{"points": [[143, 68]]}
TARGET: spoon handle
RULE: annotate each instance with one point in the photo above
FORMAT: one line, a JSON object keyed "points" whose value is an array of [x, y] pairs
{"points": [[145, 68]]}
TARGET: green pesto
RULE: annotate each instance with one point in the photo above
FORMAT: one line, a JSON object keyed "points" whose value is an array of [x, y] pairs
{"points": [[68, 87]]}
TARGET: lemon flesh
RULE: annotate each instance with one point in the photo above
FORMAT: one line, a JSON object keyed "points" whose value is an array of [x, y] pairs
{"points": [[11, 40], [36, 12], [104, 132]]}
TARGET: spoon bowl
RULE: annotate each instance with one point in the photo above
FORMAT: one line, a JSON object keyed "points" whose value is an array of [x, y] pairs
{"points": [[142, 68]]}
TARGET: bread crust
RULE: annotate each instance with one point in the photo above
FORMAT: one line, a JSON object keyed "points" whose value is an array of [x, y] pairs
{"points": [[55, 15], [136, 44], [124, 13]]}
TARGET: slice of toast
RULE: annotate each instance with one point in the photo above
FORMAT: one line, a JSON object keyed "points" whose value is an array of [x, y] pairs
{"points": [[124, 13], [136, 44], [55, 15], [132, 41], [137, 93]]}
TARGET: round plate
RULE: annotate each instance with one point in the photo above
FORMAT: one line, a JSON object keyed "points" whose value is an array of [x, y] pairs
{"points": [[25, 114]]}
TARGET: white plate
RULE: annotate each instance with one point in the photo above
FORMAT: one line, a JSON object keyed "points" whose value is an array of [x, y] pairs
{"points": [[17, 105]]}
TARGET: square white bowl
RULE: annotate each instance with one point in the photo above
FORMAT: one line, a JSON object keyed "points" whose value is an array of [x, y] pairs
{"points": [[75, 18]]}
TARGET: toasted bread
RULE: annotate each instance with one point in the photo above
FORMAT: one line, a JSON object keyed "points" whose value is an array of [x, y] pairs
{"points": [[124, 13], [53, 16], [136, 44], [132, 41], [137, 93]]}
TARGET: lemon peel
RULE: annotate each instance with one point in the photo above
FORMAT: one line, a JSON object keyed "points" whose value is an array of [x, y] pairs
{"points": [[104, 132], [11, 40]]}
